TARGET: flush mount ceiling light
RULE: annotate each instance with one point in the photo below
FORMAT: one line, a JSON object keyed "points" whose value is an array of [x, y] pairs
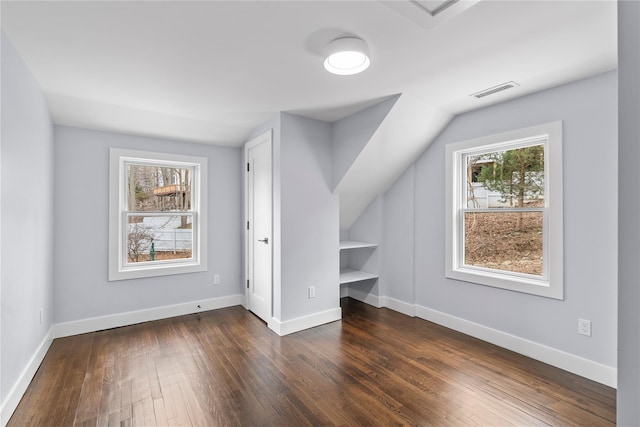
{"points": [[346, 56]]}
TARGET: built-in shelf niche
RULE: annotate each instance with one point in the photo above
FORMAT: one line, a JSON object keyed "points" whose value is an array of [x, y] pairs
{"points": [[352, 275]]}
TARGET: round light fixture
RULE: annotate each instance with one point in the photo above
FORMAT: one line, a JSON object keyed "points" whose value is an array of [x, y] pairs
{"points": [[346, 56]]}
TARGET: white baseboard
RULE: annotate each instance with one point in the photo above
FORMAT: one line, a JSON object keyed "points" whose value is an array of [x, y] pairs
{"points": [[94, 324], [12, 400], [365, 297], [399, 306], [569, 362], [131, 318], [580, 366], [305, 322]]}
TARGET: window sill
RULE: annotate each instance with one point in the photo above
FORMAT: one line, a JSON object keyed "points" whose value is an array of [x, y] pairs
{"points": [[155, 270], [515, 282]]}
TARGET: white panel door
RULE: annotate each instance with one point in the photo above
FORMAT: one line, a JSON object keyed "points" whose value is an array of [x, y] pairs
{"points": [[259, 242]]}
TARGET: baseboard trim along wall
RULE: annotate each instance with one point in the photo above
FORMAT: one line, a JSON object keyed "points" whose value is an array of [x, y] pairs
{"points": [[131, 318], [399, 306], [566, 361], [305, 322], [569, 362], [94, 324], [364, 297], [20, 387]]}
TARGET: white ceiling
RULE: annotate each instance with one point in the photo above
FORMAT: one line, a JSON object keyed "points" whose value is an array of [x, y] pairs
{"points": [[211, 71]]}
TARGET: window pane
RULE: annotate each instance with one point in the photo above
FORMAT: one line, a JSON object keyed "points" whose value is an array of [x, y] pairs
{"points": [[507, 241], [158, 238], [155, 188], [507, 178]]}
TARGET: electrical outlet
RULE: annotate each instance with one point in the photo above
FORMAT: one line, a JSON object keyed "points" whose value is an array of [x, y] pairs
{"points": [[216, 279], [584, 327], [312, 291]]}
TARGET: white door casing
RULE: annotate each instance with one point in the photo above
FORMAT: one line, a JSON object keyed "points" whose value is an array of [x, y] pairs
{"points": [[258, 229]]}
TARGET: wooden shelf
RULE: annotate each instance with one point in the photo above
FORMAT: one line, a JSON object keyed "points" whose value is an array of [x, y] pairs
{"points": [[348, 275], [351, 244]]}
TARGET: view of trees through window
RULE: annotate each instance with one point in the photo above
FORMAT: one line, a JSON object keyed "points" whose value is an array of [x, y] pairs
{"points": [[159, 216], [503, 218]]}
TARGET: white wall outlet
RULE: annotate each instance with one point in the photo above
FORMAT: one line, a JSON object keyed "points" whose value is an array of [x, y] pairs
{"points": [[584, 327], [216, 279], [312, 291]]}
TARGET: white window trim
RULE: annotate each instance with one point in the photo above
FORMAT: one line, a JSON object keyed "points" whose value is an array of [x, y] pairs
{"points": [[118, 270], [551, 284]]}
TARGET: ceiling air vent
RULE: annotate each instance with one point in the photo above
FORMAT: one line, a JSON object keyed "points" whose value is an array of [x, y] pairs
{"points": [[495, 89]]}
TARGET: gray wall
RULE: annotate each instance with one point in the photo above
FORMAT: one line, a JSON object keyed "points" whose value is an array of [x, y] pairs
{"points": [[588, 109], [81, 228], [309, 218], [629, 214], [305, 216], [398, 238], [26, 217]]}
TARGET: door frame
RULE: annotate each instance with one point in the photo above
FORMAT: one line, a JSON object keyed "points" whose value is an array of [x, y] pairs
{"points": [[262, 138]]}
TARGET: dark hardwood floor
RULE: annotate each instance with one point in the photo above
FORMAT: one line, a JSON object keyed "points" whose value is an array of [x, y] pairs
{"points": [[375, 368]]}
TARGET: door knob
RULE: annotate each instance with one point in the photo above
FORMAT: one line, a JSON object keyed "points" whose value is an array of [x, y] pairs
{"points": [[265, 240]]}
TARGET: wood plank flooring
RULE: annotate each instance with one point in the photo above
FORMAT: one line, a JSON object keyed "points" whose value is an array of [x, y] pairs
{"points": [[374, 368]]}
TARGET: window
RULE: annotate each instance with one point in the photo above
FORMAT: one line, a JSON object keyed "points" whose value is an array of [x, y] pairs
{"points": [[157, 218], [504, 211]]}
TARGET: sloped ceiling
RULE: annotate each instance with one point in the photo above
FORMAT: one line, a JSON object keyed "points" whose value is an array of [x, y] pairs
{"points": [[211, 71], [400, 138]]}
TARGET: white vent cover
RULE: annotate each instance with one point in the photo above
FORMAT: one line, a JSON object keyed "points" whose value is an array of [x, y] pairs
{"points": [[495, 89]]}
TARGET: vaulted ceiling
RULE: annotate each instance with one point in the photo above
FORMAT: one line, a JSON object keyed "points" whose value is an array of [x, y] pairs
{"points": [[211, 71]]}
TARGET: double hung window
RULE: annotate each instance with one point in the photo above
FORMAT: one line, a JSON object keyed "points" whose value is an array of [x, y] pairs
{"points": [[157, 214], [504, 210]]}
